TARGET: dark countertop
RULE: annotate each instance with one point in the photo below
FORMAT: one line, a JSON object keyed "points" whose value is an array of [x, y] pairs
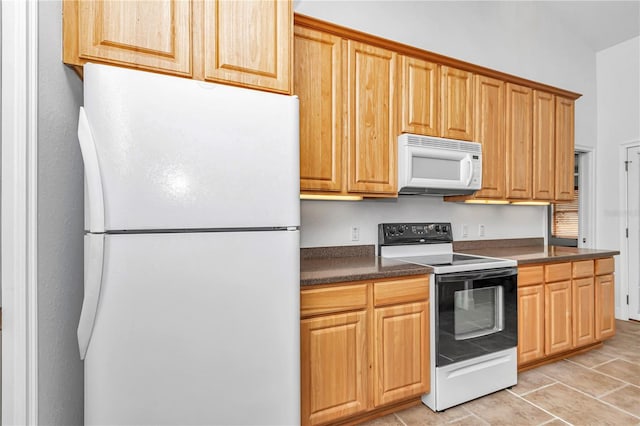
{"points": [[320, 270], [540, 253], [328, 265]]}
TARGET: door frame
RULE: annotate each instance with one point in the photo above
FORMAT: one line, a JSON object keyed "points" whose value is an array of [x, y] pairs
{"points": [[19, 212], [623, 289], [587, 185]]}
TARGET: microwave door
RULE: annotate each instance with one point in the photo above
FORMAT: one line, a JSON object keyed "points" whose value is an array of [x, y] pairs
{"points": [[438, 169]]}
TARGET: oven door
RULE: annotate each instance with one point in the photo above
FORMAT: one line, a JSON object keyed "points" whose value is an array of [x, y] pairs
{"points": [[476, 314]]}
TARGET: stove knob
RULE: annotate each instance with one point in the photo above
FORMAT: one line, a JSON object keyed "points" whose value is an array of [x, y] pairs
{"points": [[437, 228]]}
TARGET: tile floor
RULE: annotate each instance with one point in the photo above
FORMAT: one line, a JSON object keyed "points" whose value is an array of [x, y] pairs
{"points": [[600, 387]]}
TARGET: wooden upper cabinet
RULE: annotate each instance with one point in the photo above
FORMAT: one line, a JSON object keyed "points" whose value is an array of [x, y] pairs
{"points": [[564, 148], [489, 119], [543, 145], [372, 146], [419, 86], [244, 43], [456, 103], [318, 84], [154, 35], [519, 141], [248, 42]]}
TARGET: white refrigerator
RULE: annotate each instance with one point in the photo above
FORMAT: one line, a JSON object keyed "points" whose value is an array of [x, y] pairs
{"points": [[191, 305]]}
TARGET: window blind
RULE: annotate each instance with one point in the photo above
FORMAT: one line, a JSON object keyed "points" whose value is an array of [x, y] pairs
{"points": [[565, 219]]}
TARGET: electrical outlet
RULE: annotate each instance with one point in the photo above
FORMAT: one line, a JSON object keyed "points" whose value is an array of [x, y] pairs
{"points": [[465, 231], [355, 233], [481, 230]]}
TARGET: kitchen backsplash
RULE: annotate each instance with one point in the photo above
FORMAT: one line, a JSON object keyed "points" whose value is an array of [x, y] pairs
{"points": [[331, 223]]}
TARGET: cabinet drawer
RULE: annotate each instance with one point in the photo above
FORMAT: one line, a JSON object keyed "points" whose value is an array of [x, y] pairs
{"points": [[583, 268], [530, 275], [401, 291], [333, 299], [557, 272], [605, 266]]}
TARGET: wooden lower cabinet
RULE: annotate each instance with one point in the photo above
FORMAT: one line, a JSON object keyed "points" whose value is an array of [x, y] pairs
{"points": [[605, 320], [401, 352], [558, 327], [364, 347], [334, 367], [530, 323], [564, 307], [583, 295]]}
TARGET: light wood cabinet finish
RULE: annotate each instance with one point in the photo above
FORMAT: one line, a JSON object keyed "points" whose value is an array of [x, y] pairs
{"points": [[318, 84], [326, 300], [364, 347], [519, 141], [153, 35], [605, 320], [530, 275], [419, 89], [557, 272], [401, 352], [583, 297], [371, 130], [334, 367], [558, 323], [490, 132], [456, 99], [249, 43], [605, 266], [530, 323], [543, 145], [245, 43], [564, 149], [583, 268]]}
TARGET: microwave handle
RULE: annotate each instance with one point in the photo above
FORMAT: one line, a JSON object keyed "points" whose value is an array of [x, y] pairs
{"points": [[469, 164]]}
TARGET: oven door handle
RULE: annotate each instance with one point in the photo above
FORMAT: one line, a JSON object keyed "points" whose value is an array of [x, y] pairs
{"points": [[477, 275]]}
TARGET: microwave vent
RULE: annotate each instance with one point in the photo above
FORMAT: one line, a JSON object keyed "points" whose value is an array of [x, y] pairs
{"points": [[441, 143]]}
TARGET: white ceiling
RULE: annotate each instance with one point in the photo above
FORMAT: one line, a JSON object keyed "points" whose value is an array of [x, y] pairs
{"points": [[601, 24]]}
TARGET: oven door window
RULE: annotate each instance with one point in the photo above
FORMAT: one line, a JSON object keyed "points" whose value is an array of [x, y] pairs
{"points": [[476, 314]]}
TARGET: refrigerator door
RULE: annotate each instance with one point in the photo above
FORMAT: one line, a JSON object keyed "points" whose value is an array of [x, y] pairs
{"points": [[175, 153], [196, 328]]}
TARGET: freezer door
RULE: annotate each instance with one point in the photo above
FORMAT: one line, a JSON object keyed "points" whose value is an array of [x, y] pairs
{"points": [[174, 153], [198, 328]]}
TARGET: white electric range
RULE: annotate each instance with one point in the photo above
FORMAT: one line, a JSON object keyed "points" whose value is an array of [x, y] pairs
{"points": [[474, 319]]}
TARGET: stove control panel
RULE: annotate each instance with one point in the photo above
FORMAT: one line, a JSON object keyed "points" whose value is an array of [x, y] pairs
{"points": [[414, 233]]}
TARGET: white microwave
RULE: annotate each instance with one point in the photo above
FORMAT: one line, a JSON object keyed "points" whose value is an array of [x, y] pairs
{"points": [[436, 166]]}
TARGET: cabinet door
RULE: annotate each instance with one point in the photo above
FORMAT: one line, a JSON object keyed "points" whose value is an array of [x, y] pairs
{"points": [[564, 150], [401, 357], [249, 43], [419, 92], [557, 321], [543, 146], [519, 141], [372, 119], [530, 323], [456, 103], [583, 296], [154, 35], [334, 367], [605, 307], [489, 119], [318, 85]]}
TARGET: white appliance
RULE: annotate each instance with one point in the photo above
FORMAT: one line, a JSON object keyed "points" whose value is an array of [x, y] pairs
{"points": [[437, 166], [473, 316], [191, 306]]}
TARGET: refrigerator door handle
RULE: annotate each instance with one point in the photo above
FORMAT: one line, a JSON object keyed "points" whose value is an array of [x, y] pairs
{"points": [[93, 261], [93, 181]]}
